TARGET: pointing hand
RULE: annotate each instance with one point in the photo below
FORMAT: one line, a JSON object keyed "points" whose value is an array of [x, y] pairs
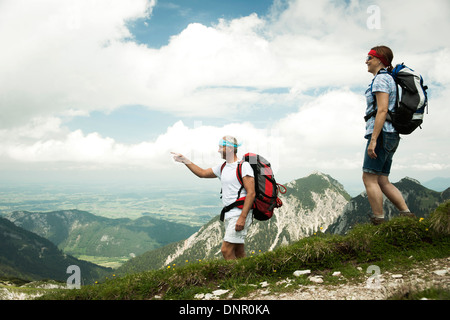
{"points": [[178, 157]]}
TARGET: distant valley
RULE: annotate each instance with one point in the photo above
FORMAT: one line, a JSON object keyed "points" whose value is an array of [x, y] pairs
{"points": [[191, 206]]}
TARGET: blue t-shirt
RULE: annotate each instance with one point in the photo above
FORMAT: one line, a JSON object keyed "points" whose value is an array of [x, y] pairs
{"points": [[383, 83]]}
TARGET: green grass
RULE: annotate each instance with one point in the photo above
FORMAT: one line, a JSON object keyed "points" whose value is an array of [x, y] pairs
{"points": [[389, 246], [433, 293]]}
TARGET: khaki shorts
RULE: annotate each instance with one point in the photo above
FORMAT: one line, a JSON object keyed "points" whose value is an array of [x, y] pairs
{"points": [[233, 236]]}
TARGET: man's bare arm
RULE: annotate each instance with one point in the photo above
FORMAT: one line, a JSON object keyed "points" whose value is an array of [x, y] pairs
{"points": [[199, 172], [249, 185]]}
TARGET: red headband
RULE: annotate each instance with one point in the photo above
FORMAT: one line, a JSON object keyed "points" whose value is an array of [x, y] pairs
{"points": [[379, 56]]}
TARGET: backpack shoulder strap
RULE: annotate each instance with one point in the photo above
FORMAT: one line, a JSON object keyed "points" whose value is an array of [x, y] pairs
{"points": [[239, 172], [221, 169], [239, 176], [223, 166], [375, 108], [382, 71]]}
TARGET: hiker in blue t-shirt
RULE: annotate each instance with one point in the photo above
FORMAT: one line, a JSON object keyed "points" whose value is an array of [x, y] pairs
{"points": [[237, 221], [382, 138]]}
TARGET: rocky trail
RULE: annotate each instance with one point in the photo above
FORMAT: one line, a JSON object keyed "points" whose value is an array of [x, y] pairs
{"points": [[376, 285], [435, 272]]}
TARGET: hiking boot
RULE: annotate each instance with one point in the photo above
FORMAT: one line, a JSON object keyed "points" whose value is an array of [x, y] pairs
{"points": [[408, 214], [376, 221]]}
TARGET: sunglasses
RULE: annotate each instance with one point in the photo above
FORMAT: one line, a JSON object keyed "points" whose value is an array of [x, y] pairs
{"points": [[369, 58], [224, 143]]}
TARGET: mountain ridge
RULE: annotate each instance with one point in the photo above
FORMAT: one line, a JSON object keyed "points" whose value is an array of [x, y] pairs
{"points": [[79, 232], [309, 205], [318, 263], [313, 204], [419, 199], [28, 256]]}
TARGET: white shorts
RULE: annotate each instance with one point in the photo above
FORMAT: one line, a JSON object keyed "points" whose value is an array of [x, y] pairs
{"points": [[233, 236]]}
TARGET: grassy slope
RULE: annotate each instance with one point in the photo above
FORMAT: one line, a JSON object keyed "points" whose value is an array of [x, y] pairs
{"points": [[389, 245]]}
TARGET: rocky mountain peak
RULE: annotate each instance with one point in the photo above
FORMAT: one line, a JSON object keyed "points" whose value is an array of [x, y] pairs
{"points": [[310, 205]]}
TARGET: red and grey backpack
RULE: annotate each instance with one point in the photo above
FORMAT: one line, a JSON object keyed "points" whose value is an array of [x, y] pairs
{"points": [[266, 188]]}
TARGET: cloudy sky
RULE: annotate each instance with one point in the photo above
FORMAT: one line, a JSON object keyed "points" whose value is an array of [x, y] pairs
{"points": [[102, 91]]}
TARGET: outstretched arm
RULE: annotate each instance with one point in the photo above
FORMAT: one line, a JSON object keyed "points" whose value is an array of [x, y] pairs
{"points": [[199, 172]]}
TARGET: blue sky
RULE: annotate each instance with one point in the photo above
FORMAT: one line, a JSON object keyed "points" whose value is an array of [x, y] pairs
{"points": [[170, 17], [134, 123], [104, 90]]}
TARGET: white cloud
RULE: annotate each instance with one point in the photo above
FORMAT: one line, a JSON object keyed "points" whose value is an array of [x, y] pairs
{"points": [[69, 58], [325, 133], [66, 55], [292, 141], [74, 56]]}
